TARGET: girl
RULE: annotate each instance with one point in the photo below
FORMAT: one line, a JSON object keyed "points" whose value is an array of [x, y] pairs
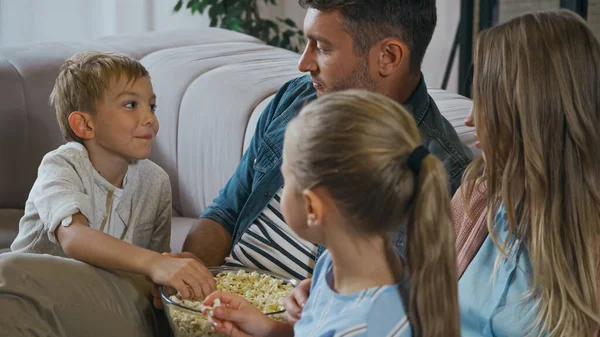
{"points": [[355, 173], [536, 109]]}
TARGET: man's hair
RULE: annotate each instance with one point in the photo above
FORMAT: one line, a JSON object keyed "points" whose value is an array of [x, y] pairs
{"points": [[83, 80], [370, 21]]}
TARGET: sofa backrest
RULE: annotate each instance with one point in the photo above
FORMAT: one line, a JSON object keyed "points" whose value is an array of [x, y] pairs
{"points": [[211, 86]]}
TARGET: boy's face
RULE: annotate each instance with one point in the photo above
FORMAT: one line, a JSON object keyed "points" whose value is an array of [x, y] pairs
{"points": [[125, 124]]}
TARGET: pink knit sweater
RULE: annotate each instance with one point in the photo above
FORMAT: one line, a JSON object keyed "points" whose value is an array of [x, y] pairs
{"points": [[470, 234]]}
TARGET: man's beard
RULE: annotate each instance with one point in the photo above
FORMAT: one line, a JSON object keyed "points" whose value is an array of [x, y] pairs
{"points": [[359, 79]]}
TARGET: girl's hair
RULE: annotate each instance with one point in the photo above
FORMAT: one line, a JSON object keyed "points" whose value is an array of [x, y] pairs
{"points": [[537, 110], [356, 144]]}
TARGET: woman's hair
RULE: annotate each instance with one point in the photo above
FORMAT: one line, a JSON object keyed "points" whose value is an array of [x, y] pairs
{"points": [[356, 144], [536, 97]]}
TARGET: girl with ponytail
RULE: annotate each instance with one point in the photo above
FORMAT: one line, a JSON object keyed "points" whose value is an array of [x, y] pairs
{"points": [[355, 174]]}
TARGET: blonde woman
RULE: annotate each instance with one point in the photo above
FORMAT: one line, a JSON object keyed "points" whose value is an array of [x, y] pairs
{"points": [[526, 254], [355, 173]]}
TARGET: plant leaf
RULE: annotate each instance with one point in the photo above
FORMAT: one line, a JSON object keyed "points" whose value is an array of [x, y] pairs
{"points": [[239, 15], [290, 22], [288, 33], [178, 6], [274, 41]]}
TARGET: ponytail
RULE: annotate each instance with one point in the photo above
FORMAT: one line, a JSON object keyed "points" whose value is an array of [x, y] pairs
{"points": [[431, 255]]}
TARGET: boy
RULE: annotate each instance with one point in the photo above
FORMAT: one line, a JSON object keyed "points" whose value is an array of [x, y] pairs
{"points": [[97, 199]]}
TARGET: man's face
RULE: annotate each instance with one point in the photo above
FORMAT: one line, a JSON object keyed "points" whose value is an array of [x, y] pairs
{"points": [[330, 56]]}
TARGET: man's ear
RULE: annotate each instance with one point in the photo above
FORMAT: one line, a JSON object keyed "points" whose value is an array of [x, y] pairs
{"points": [[315, 206], [82, 125], [393, 55]]}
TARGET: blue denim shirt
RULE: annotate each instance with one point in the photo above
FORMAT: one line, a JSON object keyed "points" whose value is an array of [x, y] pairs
{"points": [[258, 177]]}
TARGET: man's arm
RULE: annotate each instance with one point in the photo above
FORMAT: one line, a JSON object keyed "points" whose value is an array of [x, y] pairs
{"points": [[209, 241]]}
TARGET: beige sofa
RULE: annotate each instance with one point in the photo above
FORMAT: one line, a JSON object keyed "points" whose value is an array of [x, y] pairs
{"points": [[211, 85]]}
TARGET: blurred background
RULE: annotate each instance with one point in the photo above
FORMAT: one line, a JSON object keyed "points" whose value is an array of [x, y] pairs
{"points": [[446, 63]]}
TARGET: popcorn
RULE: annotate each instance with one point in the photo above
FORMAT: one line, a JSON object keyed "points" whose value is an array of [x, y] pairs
{"points": [[261, 290], [211, 310]]}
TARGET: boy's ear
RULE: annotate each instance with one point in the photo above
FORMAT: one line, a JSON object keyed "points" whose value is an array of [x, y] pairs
{"points": [[315, 208], [82, 125]]}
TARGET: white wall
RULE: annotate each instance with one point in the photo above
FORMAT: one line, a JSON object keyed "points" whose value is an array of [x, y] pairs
{"points": [[436, 59], [26, 21]]}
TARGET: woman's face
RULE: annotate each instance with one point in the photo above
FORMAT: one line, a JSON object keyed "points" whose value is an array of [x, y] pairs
{"points": [[470, 122]]}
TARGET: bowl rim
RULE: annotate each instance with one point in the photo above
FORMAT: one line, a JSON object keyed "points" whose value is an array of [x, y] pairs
{"points": [[219, 270]]}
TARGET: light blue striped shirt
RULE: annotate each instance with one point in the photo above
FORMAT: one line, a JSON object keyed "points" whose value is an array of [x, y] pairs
{"points": [[373, 312]]}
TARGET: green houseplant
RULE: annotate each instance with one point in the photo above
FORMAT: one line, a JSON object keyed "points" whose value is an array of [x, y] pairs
{"points": [[243, 16]]}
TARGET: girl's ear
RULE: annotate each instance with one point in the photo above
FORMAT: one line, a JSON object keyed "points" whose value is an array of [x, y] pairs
{"points": [[82, 125], [314, 204]]}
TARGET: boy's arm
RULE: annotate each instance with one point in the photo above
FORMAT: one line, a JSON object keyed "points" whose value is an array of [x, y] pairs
{"points": [[89, 245], [59, 191], [62, 194]]}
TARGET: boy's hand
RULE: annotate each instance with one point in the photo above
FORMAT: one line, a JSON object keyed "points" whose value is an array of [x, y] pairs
{"points": [[294, 302], [187, 275], [155, 291], [236, 317]]}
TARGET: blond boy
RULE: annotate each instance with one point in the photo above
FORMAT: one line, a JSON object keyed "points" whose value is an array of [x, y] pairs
{"points": [[97, 199], [105, 109]]}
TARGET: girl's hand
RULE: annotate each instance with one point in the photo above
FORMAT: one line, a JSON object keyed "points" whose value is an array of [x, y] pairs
{"points": [[187, 275], [294, 302], [236, 317]]}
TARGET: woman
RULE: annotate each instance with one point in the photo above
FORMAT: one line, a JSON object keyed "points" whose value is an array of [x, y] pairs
{"points": [[526, 254]]}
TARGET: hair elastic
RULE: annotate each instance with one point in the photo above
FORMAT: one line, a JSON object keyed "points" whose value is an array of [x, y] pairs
{"points": [[415, 159]]}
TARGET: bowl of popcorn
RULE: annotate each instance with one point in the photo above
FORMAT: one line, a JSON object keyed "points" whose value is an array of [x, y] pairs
{"points": [[264, 290]]}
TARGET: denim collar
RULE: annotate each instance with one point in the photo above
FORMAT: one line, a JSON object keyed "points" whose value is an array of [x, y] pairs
{"points": [[418, 103]]}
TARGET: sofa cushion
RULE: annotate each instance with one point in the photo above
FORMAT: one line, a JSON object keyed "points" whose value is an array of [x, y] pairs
{"points": [[456, 108], [204, 114], [179, 230]]}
